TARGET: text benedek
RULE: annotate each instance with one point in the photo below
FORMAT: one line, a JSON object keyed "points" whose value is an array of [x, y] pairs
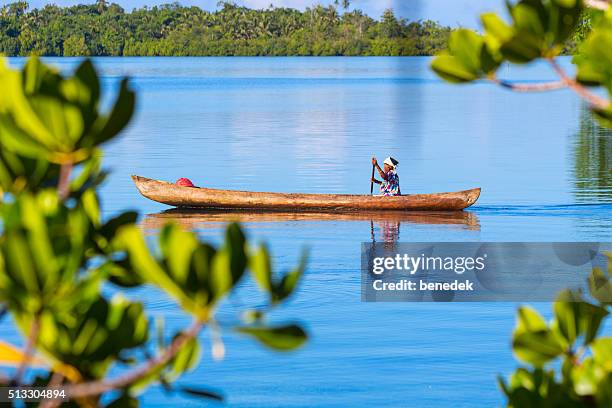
{"points": [[408, 285]]}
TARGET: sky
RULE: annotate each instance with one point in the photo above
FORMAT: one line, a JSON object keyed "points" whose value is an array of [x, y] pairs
{"points": [[448, 12]]}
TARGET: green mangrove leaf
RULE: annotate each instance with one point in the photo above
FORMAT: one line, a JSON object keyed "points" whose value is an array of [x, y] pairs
{"points": [[564, 18], [185, 360], [604, 391], [289, 281], [110, 228], [470, 57], [490, 59], [130, 238], [201, 393], [177, 247], [602, 352], [43, 245], [496, 27], [450, 69], [584, 378], [90, 174], [120, 273], [533, 341], [278, 289], [594, 61], [83, 89], [575, 317], [521, 49], [235, 245], [282, 338], [91, 205], [94, 333], [529, 320], [261, 268], [229, 263], [107, 128], [587, 73], [603, 116], [221, 278], [530, 17], [537, 348], [465, 45], [46, 116]]}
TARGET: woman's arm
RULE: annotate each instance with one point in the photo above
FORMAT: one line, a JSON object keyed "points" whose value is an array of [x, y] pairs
{"points": [[376, 181], [380, 171]]}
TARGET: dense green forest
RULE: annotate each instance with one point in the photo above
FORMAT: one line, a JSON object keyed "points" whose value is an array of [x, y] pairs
{"points": [[107, 29]]}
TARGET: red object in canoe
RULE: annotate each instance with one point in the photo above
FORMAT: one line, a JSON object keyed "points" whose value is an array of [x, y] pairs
{"points": [[184, 182]]}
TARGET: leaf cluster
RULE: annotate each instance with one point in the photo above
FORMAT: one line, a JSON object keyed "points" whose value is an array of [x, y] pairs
{"points": [[64, 268], [539, 29], [570, 341]]}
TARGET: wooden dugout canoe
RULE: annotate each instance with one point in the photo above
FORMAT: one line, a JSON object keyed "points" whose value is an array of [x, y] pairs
{"points": [[209, 198]]}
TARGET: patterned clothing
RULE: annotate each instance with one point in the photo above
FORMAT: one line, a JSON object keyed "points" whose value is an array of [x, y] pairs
{"points": [[390, 186]]}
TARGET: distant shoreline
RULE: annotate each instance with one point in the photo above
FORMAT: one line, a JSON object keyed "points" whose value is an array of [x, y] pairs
{"points": [[105, 29]]}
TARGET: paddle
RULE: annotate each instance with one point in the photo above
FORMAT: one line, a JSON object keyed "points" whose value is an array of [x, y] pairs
{"points": [[371, 182]]}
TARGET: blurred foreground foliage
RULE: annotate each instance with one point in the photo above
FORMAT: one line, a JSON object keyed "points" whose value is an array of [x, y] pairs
{"points": [[538, 31], [568, 363], [60, 260]]}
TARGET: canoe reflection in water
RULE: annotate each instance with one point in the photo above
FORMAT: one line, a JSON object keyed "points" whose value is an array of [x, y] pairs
{"points": [[389, 231], [387, 223]]}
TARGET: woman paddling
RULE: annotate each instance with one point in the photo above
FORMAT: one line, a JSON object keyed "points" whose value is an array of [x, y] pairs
{"points": [[389, 186]]}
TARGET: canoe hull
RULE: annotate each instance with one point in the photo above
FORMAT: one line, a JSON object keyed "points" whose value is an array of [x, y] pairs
{"points": [[208, 198]]}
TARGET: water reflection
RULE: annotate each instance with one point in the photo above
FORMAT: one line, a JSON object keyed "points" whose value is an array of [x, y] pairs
{"points": [[384, 227], [389, 231], [592, 161]]}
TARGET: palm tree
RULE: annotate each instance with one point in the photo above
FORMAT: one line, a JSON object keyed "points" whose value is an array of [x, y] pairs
{"points": [[101, 5], [345, 3]]}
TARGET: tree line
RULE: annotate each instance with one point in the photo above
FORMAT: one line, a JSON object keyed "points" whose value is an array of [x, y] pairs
{"points": [[106, 29]]}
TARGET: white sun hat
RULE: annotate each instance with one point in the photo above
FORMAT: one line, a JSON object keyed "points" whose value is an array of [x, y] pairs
{"points": [[391, 162]]}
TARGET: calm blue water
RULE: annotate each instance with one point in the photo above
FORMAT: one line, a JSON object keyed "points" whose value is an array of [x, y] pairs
{"points": [[311, 125]]}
